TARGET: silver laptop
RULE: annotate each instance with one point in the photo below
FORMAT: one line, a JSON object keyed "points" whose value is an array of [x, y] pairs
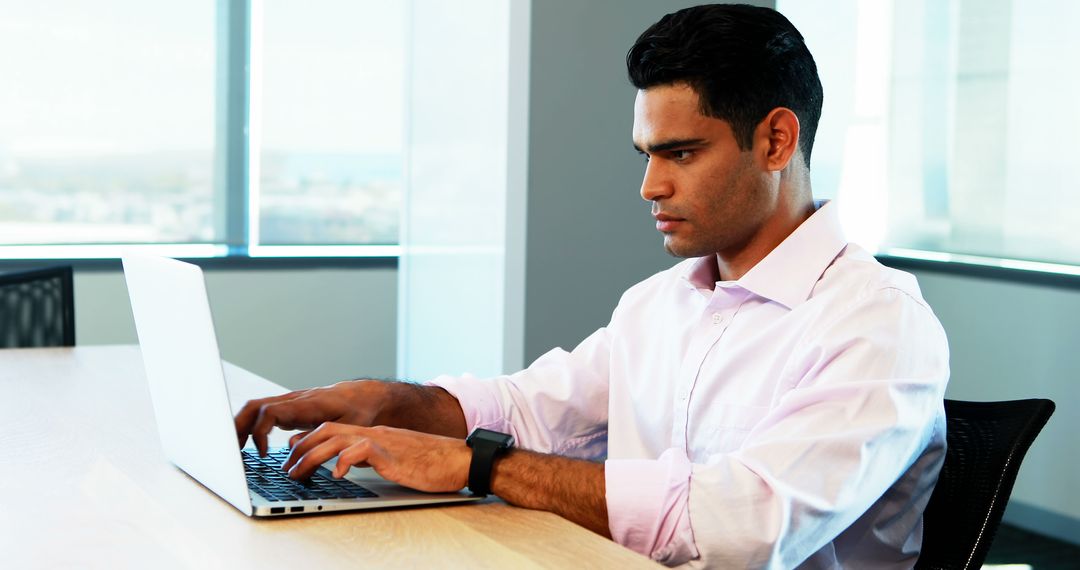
{"points": [[194, 416]]}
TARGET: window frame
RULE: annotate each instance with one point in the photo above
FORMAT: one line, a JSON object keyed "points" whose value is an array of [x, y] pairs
{"points": [[1004, 270]]}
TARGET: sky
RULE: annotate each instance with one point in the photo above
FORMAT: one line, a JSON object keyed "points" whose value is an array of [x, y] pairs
{"points": [[129, 76]]}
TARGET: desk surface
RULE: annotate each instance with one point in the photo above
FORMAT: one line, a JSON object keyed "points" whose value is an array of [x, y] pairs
{"points": [[78, 423]]}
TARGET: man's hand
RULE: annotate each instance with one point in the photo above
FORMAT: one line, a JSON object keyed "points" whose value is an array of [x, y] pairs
{"points": [[355, 402], [417, 460], [361, 403]]}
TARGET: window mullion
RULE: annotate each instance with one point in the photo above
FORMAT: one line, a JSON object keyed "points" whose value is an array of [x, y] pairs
{"points": [[232, 161]]}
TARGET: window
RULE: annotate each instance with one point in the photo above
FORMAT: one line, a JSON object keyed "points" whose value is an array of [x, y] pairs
{"points": [[330, 167], [106, 122], [944, 129], [200, 128]]}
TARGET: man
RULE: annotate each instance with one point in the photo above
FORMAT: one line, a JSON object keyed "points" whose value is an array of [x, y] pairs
{"points": [[775, 400]]}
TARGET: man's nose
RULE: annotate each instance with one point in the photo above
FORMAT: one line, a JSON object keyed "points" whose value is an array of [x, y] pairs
{"points": [[656, 185]]}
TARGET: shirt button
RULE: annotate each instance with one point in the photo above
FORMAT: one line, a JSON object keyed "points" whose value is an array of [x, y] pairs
{"points": [[717, 318]]}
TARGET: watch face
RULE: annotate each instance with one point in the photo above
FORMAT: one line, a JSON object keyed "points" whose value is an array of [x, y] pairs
{"points": [[486, 435]]}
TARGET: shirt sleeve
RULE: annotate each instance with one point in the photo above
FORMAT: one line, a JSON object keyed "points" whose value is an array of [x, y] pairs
{"points": [[556, 405], [647, 504], [864, 408]]}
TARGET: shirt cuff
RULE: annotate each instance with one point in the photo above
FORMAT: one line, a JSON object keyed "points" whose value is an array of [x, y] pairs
{"points": [[478, 401], [648, 506]]}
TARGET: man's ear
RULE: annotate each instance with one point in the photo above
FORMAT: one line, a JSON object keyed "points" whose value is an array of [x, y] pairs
{"points": [[776, 139]]}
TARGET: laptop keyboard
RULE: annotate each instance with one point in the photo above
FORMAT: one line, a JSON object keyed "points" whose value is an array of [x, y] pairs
{"points": [[264, 476]]}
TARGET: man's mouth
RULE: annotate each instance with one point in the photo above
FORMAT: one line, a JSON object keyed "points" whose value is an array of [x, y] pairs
{"points": [[667, 223]]}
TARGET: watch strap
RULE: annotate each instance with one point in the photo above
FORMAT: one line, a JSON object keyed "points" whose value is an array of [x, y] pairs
{"points": [[483, 461]]}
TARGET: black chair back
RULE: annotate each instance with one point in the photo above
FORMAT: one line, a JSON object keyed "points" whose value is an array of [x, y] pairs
{"points": [[986, 443], [37, 308]]}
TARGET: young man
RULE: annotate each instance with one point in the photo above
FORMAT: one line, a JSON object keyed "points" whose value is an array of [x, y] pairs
{"points": [[775, 400]]}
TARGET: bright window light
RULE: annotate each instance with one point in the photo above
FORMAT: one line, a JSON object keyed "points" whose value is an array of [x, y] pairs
{"points": [[943, 124], [106, 122], [330, 122]]}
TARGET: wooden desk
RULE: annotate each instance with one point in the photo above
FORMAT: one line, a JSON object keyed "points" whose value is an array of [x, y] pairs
{"points": [[77, 424]]}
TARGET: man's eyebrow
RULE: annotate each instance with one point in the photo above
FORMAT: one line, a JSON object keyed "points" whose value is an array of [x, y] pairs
{"points": [[669, 145]]}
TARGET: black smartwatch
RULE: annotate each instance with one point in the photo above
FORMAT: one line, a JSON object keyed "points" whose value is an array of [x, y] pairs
{"points": [[486, 446]]}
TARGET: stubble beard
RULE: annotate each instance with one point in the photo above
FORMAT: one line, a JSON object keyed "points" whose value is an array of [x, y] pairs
{"points": [[685, 250]]}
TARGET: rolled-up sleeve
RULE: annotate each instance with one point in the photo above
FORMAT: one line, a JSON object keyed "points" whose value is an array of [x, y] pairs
{"points": [[559, 404], [647, 502]]}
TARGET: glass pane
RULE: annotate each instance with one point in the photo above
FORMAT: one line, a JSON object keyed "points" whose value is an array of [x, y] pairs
{"points": [[968, 150], [332, 113], [106, 121]]}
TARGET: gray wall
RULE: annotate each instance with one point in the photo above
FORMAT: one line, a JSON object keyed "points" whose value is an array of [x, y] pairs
{"points": [[300, 328]]}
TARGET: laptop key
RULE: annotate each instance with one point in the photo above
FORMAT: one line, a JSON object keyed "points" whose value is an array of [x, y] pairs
{"points": [[265, 476]]}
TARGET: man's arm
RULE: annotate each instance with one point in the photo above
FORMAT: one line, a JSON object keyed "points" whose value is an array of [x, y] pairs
{"points": [[427, 409], [571, 488], [558, 405]]}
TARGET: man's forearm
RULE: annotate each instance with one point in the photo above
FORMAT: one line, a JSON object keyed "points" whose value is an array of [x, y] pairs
{"points": [[429, 409], [571, 488]]}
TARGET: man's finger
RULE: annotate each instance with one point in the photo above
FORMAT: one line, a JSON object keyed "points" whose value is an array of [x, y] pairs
{"points": [[356, 454], [269, 416], [311, 440], [296, 438], [298, 413], [247, 415], [313, 459]]}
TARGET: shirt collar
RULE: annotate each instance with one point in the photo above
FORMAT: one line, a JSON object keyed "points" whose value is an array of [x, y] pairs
{"points": [[789, 272]]}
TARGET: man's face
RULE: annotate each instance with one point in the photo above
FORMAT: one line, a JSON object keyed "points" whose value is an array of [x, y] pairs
{"points": [[707, 195]]}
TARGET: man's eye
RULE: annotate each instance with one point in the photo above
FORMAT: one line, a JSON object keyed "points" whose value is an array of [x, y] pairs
{"points": [[681, 155]]}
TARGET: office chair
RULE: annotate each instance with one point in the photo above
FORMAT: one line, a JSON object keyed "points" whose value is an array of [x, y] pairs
{"points": [[986, 443], [37, 308]]}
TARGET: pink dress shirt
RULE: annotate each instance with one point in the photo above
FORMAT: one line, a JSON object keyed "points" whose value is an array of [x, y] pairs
{"points": [[791, 418]]}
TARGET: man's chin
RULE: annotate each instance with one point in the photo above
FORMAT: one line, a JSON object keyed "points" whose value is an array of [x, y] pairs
{"points": [[676, 248]]}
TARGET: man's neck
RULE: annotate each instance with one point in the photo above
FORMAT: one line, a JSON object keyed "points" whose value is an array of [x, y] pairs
{"points": [[792, 213]]}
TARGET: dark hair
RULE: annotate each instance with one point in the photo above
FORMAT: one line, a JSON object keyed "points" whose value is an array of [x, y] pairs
{"points": [[743, 62]]}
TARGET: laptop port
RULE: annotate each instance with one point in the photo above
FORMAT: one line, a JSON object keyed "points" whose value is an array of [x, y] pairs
{"points": [[277, 510], [296, 509]]}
